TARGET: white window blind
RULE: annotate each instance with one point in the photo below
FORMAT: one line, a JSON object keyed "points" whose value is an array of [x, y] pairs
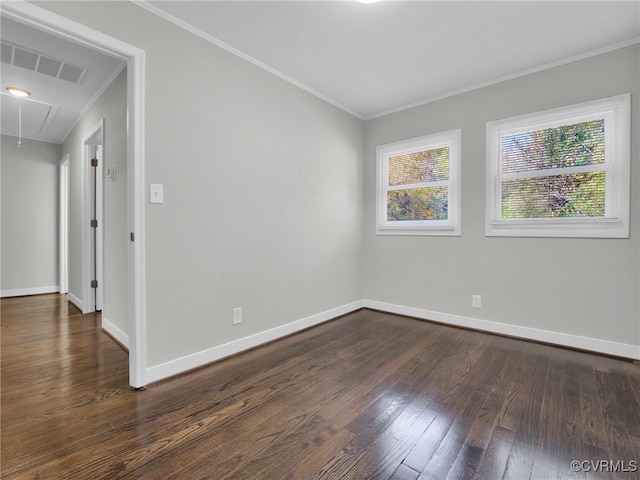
{"points": [[563, 172]]}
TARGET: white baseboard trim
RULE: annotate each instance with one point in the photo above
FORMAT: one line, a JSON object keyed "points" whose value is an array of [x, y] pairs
{"points": [[198, 359], [75, 300], [547, 336], [189, 362], [20, 292], [115, 332]]}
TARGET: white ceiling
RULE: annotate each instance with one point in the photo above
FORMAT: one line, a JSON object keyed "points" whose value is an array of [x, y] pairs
{"points": [[370, 59], [55, 104]]}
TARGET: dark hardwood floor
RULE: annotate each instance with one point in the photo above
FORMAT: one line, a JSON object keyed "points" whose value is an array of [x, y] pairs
{"points": [[369, 395]]}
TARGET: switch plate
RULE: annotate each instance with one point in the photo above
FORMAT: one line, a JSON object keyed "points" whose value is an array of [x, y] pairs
{"points": [[237, 315], [156, 193]]}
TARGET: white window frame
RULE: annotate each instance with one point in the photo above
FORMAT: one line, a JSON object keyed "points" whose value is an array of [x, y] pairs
{"points": [[616, 112], [449, 227]]}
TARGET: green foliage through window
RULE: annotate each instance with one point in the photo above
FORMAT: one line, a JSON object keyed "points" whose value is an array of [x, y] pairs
{"points": [[577, 195], [419, 167], [423, 202], [428, 203], [572, 194]]}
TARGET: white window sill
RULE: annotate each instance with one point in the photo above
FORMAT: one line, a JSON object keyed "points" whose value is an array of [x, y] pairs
{"points": [[432, 230], [559, 227]]}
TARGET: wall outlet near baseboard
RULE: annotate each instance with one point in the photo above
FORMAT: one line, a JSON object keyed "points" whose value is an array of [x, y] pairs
{"points": [[476, 301], [237, 315]]}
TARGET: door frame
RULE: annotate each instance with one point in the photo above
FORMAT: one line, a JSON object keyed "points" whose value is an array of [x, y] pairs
{"points": [[92, 204], [63, 225], [53, 23]]}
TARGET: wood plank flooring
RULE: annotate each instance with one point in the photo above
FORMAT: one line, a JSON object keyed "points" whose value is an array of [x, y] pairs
{"points": [[368, 395]]}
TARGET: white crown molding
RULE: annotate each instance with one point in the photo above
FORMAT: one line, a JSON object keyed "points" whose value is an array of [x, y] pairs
{"points": [[205, 36], [93, 100], [161, 13], [505, 78]]}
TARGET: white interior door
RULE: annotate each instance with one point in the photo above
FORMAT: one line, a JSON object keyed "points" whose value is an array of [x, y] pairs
{"points": [[99, 230]]}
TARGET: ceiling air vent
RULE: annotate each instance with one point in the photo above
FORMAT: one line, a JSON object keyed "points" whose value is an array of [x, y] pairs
{"points": [[37, 62], [25, 59], [7, 52], [71, 73], [49, 66]]}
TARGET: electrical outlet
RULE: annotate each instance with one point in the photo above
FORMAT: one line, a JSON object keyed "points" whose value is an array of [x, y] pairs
{"points": [[476, 301], [237, 316]]}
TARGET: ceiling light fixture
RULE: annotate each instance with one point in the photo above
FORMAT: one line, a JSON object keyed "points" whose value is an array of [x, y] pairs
{"points": [[18, 92]]}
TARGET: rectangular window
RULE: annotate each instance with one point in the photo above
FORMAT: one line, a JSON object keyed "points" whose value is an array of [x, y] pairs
{"points": [[561, 173], [419, 186]]}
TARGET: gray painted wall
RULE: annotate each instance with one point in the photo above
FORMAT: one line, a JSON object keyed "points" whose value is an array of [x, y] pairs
{"points": [[265, 188], [112, 106], [262, 189], [29, 221], [584, 287]]}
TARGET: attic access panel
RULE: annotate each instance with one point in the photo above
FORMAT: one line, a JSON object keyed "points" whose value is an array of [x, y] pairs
{"points": [[36, 116]]}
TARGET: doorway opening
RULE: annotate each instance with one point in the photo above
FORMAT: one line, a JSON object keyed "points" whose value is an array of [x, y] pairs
{"points": [[47, 21]]}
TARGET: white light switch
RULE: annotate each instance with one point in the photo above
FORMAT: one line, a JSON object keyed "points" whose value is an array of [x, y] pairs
{"points": [[156, 193]]}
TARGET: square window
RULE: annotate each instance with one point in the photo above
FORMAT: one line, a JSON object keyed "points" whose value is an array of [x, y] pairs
{"points": [[561, 173], [418, 191]]}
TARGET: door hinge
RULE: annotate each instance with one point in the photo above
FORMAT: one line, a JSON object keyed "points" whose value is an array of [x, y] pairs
{"points": [[94, 223], [132, 236], [94, 162], [94, 284]]}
